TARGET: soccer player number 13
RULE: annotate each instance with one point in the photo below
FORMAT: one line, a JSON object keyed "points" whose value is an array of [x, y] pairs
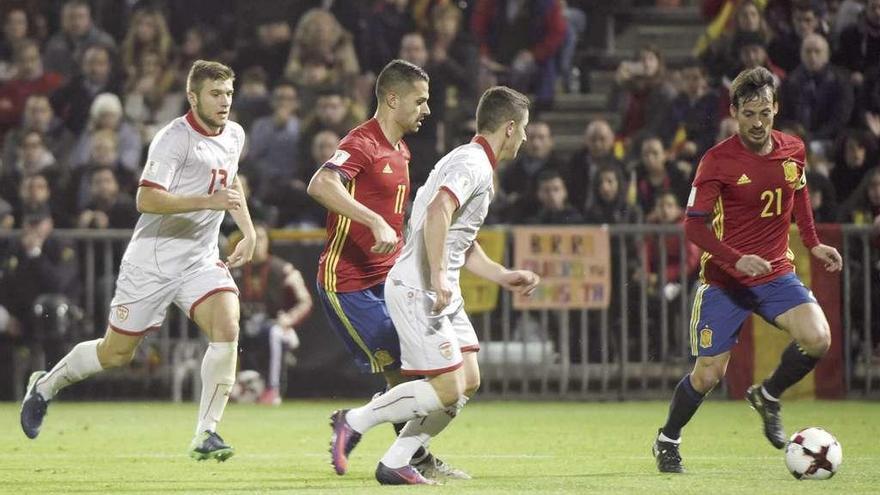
{"points": [[774, 196], [223, 174]]}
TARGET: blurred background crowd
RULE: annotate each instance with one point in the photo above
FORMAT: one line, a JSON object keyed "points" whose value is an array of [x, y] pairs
{"points": [[615, 136]]}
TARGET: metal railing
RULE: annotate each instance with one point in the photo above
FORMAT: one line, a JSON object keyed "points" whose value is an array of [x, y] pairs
{"points": [[636, 348]]}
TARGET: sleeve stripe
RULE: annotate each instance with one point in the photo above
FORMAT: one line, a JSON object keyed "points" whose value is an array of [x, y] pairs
{"points": [[451, 193], [154, 185]]}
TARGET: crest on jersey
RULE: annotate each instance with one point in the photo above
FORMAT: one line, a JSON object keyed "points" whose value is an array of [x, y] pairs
{"points": [[790, 169], [706, 338], [339, 157], [121, 313], [446, 350]]}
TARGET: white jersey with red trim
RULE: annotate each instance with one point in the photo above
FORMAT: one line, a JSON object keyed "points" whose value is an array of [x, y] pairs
{"points": [[185, 160], [466, 173]]}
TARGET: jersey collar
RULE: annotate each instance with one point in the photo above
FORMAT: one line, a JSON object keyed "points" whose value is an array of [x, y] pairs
{"points": [[488, 149], [191, 119]]}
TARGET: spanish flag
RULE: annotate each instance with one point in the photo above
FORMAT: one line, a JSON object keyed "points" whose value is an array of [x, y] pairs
{"points": [[761, 344]]}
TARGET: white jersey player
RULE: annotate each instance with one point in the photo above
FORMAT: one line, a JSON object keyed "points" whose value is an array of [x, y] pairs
{"points": [[188, 183], [437, 339]]}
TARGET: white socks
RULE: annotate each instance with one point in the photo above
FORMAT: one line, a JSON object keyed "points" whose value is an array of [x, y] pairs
{"points": [[664, 438], [418, 432], [402, 403], [767, 395], [80, 363], [218, 376]]}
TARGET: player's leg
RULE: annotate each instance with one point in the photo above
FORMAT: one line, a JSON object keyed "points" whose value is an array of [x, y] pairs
{"points": [[83, 361], [791, 306], [715, 321], [275, 337], [217, 315]]}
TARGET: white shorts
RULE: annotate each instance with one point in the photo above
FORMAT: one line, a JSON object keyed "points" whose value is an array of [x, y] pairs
{"points": [[142, 296], [429, 344]]}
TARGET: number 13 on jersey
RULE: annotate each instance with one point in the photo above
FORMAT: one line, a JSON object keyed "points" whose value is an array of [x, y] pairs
{"points": [[222, 173]]}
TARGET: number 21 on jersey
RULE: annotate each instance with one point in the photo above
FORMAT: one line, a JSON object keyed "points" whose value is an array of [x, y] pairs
{"points": [[772, 202], [215, 172]]}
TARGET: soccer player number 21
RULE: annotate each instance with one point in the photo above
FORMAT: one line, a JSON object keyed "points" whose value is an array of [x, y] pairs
{"points": [[769, 196], [223, 173]]}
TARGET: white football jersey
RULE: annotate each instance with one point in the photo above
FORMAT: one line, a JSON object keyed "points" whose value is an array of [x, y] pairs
{"points": [[467, 173], [186, 161]]}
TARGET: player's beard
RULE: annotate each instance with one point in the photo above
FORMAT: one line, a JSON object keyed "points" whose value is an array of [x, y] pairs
{"points": [[206, 118], [756, 143]]}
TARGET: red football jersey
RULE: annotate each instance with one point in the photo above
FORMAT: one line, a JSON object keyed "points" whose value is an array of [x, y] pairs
{"points": [[377, 175], [750, 199]]}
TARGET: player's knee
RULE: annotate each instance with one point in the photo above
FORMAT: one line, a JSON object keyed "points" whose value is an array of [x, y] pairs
{"points": [[705, 379], [448, 391], [225, 332], [472, 385], [817, 343]]}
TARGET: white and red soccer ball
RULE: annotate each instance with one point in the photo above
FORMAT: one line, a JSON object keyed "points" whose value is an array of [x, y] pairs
{"points": [[813, 454]]}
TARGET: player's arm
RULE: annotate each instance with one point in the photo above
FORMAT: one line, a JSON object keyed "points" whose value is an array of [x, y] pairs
{"points": [[158, 201], [803, 216], [327, 188], [437, 221], [522, 281], [244, 250], [293, 280]]}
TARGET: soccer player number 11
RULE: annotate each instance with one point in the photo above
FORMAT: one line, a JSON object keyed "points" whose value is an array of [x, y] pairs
{"points": [[769, 197]]}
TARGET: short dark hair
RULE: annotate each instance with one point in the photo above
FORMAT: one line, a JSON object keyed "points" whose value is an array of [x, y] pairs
{"points": [[547, 174], [748, 85], [396, 73], [202, 70], [499, 105]]}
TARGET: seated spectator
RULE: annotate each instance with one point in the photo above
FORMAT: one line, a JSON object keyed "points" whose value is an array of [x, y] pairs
{"points": [[859, 47], [692, 121], [609, 204], [841, 15], [151, 98], [107, 207], [7, 219], [200, 42], [806, 19], [751, 52], [104, 153], [147, 33], [641, 95], [656, 175], [387, 22], [518, 178], [863, 205], [29, 79], [823, 198], [453, 53], [15, 31], [580, 173], [251, 98], [38, 116], [856, 156], [274, 300], [34, 199], [269, 49], [319, 36], [424, 146], [106, 115], [66, 49], [295, 207], [817, 95], [33, 158], [553, 206], [522, 40], [722, 54], [333, 111], [73, 101], [274, 143]]}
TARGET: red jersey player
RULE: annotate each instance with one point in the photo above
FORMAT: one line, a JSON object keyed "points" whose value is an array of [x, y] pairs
{"points": [[748, 187], [365, 186]]}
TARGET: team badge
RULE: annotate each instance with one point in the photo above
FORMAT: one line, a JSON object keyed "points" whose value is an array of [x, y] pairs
{"points": [[706, 338], [121, 313], [790, 169], [446, 350]]}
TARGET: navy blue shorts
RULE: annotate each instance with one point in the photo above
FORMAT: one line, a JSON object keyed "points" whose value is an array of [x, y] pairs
{"points": [[362, 321], [719, 313]]}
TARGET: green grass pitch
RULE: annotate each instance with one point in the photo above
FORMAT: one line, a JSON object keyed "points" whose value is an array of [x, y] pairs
{"points": [[509, 447]]}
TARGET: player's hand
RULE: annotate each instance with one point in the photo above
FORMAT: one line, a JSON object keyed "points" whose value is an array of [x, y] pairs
{"points": [[753, 265], [440, 285], [243, 253], [385, 236], [833, 260], [225, 199], [522, 282]]}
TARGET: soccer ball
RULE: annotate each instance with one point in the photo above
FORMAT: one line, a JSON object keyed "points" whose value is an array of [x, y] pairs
{"points": [[813, 454], [248, 387]]}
